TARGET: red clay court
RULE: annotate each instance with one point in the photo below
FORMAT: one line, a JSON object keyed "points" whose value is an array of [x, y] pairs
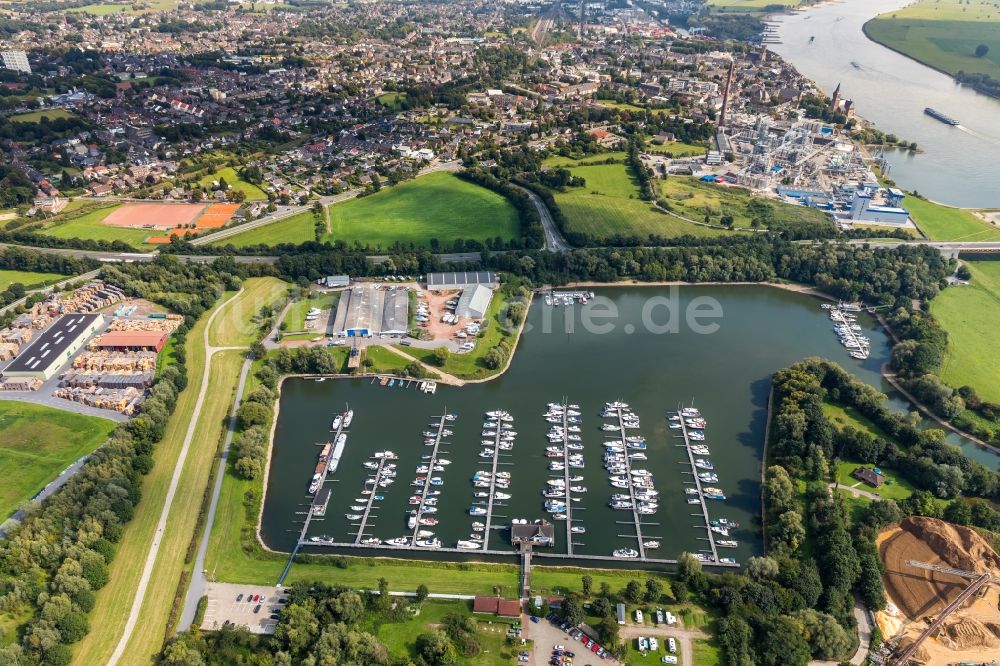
{"points": [[154, 215], [214, 217]]}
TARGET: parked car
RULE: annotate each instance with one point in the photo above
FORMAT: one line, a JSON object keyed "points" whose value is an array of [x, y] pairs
{"points": [[256, 609], [668, 659], [239, 597], [534, 619]]}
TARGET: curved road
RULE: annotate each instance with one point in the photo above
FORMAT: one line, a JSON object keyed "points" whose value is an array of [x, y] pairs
{"points": [[554, 241], [154, 547]]}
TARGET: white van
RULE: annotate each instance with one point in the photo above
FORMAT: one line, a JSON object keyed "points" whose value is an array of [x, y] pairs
{"points": [[638, 616], [672, 645]]}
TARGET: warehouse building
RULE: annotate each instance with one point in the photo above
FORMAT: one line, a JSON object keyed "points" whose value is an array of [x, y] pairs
{"points": [[334, 281], [124, 341], [460, 280], [54, 347], [367, 310], [474, 302]]}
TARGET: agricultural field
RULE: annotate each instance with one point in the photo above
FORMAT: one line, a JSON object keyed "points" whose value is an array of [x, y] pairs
{"points": [[944, 34], [436, 206], [609, 204], [252, 192], [28, 279], [36, 116], [38, 442], [296, 229], [970, 314], [944, 223], [89, 226], [143, 7]]}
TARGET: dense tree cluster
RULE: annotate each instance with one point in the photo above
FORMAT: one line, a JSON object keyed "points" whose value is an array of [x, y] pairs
{"points": [[15, 187], [802, 435]]}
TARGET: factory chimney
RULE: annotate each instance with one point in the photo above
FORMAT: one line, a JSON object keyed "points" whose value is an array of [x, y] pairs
{"points": [[725, 95]]}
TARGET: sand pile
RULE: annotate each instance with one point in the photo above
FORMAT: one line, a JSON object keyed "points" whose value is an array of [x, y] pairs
{"points": [[967, 634], [920, 592], [959, 546]]}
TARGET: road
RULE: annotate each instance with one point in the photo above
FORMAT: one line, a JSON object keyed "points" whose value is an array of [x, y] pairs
{"points": [[554, 241], [154, 547], [199, 584]]}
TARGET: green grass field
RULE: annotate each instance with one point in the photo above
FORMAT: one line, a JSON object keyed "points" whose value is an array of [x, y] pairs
{"points": [[36, 116], [943, 34], [236, 324], [391, 99], [438, 205], [400, 637], [945, 223], [28, 279], [895, 488], [89, 226], [609, 204], [970, 315], [296, 229], [38, 442], [295, 318], [252, 192], [676, 149]]}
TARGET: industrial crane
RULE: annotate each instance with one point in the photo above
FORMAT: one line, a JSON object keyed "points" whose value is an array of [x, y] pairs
{"points": [[978, 581]]}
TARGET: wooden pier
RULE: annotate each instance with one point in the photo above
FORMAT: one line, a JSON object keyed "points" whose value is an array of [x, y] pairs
{"points": [[701, 495], [442, 420]]}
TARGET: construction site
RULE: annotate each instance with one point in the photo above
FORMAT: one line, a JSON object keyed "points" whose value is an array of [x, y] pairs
{"points": [[941, 583]]}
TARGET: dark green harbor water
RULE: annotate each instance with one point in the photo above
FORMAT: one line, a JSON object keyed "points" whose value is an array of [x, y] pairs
{"points": [[725, 374]]}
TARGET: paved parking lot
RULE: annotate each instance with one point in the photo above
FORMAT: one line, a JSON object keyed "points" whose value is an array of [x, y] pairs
{"points": [[236, 604], [546, 635]]}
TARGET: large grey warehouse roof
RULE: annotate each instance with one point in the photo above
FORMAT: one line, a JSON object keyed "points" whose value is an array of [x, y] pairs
{"points": [[51, 344], [394, 312], [460, 279], [474, 302]]}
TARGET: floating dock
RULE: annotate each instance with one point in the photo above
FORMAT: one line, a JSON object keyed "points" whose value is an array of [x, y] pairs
{"points": [[438, 436], [493, 486], [637, 520], [371, 500], [701, 495]]}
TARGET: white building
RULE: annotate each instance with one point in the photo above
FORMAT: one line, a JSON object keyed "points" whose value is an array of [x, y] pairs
{"points": [[17, 61]]}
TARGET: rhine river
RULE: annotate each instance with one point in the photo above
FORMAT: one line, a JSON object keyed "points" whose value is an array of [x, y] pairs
{"points": [[725, 374], [958, 165]]}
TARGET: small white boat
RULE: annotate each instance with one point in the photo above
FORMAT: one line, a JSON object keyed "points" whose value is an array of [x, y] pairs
{"points": [[626, 552], [469, 545]]}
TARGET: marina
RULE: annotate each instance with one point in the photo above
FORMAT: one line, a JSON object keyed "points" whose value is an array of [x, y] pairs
{"points": [[553, 297], [735, 388], [845, 324]]}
